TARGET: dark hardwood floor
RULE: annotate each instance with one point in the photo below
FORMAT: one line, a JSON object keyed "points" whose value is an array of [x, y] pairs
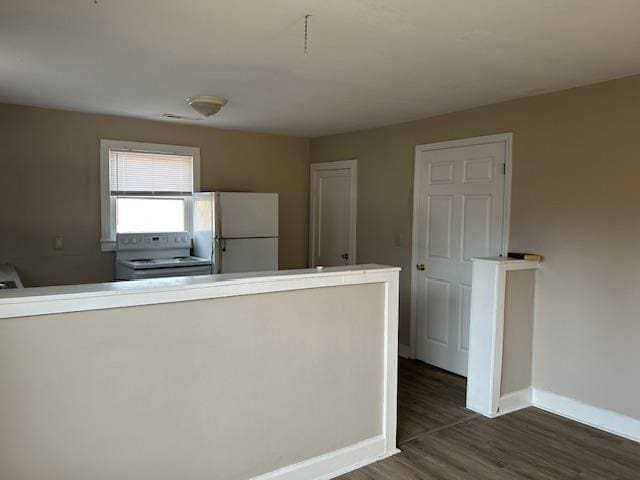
{"points": [[440, 439]]}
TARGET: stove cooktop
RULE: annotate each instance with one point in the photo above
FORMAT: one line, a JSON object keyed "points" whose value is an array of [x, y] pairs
{"points": [[145, 263]]}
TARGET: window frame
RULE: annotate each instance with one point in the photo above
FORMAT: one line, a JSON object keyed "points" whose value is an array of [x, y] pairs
{"points": [[107, 202]]}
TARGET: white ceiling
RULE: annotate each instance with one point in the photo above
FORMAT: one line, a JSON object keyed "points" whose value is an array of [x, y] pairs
{"points": [[371, 62]]}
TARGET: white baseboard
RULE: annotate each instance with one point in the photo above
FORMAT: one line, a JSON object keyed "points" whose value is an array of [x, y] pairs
{"points": [[404, 351], [515, 401], [475, 408], [333, 464], [596, 417], [570, 408]]}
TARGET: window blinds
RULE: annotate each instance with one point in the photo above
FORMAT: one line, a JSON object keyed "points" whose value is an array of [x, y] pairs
{"points": [[149, 174]]}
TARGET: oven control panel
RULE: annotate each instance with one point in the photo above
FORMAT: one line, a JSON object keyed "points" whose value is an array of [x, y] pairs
{"points": [[152, 241]]}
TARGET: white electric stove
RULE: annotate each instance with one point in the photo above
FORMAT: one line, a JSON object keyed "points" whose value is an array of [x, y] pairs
{"points": [[155, 255]]}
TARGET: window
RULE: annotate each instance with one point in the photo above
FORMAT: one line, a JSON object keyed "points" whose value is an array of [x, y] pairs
{"points": [[139, 214], [146, 188]]}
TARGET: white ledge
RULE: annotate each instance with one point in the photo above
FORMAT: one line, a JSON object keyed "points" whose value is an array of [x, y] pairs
{"points": [[96, 296], [506, 263]]}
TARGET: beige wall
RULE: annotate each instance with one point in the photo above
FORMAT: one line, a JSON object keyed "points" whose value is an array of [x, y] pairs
{"points": [[224, 388], [575, 200], [49, 185], [517, 353]]}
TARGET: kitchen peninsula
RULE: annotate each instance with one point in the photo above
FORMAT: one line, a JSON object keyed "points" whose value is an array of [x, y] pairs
{"points": [[226, 376]]}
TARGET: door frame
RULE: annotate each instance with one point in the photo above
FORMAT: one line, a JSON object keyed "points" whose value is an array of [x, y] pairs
{"points": [[351, 164], [507, 138]]}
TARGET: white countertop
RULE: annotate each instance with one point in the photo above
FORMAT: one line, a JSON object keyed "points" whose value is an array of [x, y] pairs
{"points": [[67, 298]]}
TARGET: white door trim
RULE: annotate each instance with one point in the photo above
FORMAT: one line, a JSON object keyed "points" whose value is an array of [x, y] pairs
{"points": [[340, 164], [507, 138]]}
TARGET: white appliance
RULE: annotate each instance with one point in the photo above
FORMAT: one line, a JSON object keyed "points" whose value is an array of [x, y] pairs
{"points": [[9, 277], [237, 231], [155, 255]]}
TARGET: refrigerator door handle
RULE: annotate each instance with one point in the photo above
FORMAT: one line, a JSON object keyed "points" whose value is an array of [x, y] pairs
{"points": [[217, 268], [217, 215]]}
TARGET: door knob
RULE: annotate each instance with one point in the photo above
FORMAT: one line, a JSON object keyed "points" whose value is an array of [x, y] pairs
{"points": [[421, 266], [345, 256]]}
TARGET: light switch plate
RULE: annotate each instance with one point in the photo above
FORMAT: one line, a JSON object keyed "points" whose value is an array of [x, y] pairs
{"points": [[398, 240], [58, 243]]}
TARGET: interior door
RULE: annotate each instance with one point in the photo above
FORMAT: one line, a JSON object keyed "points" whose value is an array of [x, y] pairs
{"points": [[332, 214], [460, 216]]}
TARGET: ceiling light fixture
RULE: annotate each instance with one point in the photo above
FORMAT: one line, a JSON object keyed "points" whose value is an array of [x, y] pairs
{"points": [[206, 105]]}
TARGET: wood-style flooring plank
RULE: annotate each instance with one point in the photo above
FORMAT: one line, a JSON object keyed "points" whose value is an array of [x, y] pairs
{"points": [[444, 441], [428, 399]]}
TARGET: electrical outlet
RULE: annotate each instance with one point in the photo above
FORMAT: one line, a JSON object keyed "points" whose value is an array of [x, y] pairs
{"points": [[58, 243]]}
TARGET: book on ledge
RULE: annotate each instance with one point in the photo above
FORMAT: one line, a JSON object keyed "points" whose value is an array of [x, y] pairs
{"points": [[533, 257]]}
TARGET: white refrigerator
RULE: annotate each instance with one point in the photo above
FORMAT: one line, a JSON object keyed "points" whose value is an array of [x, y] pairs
{"points": [[237, 231]]}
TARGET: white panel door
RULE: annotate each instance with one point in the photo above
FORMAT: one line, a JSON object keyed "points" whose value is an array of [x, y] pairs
{"points": [[332, 214], [246, 215], [460, 216]]}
